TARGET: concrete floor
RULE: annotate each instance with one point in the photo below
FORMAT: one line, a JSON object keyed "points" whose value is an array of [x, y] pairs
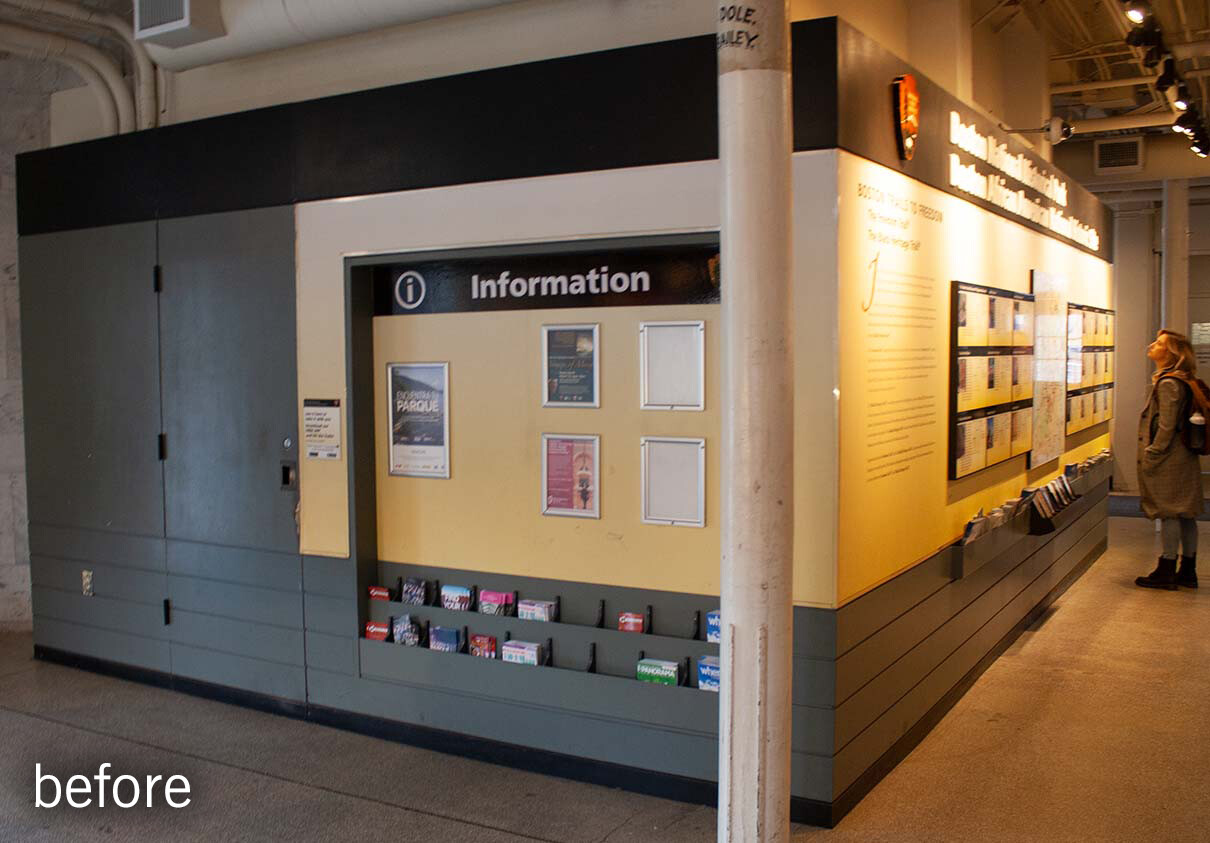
{"points": [[1094, 726]]}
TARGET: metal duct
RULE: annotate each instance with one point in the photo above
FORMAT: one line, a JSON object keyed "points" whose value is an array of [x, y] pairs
{"points": [[258, 26]]}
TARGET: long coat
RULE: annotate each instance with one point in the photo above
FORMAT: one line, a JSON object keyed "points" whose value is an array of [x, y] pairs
{"points": [[1170, 475]]}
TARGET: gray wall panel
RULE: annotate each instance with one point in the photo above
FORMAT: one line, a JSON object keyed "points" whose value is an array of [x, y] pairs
{"points": [[100, 612], [97, 546], [109, 581], [333, 577], [682, 709], [815, 633], [332, 615], [261, 677], [633, 744], [91, 379], [279, 571], [877, 738], [331, 653], [880, 651], [814, 682], [229, 377], [102, 644], [861, 618], [890, 685], [811, 776], [241, 638], [242, 602]]}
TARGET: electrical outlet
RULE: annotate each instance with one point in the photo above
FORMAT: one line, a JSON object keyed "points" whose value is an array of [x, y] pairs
{"points": [[86, 583]]}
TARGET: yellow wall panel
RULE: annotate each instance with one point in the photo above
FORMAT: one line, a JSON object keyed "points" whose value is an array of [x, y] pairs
{"points": [[901, 244], [487, 515]]}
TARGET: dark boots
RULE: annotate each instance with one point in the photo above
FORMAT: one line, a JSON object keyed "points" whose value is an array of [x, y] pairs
{"points": [[1187, 575], [1164, 576]]}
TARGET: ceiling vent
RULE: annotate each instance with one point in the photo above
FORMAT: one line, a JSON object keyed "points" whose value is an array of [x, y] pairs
{"points": [[177, 23], [1118, 155]]}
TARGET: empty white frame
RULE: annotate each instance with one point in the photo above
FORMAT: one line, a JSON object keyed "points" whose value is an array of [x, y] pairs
{"points": [[674, 481], [672, 365]]}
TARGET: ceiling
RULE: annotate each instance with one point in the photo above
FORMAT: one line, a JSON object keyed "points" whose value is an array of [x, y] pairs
{"points": [[1086, 39]]}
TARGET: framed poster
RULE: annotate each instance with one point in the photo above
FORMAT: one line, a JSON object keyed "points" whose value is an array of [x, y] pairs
{"points": [[571, 374], [418, 396], [674, 481], [571, 475], [672, 365]]}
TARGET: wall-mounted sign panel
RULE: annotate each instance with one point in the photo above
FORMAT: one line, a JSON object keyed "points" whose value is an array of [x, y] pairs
{"points": [[991, 341], [1090, 366], [549, 277], [419, 419], [571, 366], [674, 481], [1050, 366], [321, 428], [672, 365], [571, 472]]}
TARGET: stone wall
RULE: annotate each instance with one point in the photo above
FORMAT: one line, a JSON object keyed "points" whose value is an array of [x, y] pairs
{"points": [[25, 89]]}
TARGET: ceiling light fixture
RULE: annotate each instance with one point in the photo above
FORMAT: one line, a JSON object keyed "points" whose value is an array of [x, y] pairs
{"points": [[1187, 123], [1137, 12], [1181, 102]]}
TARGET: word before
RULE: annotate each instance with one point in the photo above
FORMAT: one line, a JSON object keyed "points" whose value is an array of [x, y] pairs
{"points": [[78, 791]]}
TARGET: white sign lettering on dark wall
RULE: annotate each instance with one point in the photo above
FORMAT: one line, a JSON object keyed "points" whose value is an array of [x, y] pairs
{"points": [[650, 275], [996, 187]]}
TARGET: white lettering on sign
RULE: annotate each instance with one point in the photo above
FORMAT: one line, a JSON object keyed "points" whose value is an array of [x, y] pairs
{"points": [[593, 282], [995, 189]]}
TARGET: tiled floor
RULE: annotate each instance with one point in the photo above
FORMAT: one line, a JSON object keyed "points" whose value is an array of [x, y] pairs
{"points": [[1094, 726]]}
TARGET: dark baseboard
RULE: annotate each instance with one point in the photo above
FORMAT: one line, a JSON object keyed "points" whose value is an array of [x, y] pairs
{"points": [[887, 762]]}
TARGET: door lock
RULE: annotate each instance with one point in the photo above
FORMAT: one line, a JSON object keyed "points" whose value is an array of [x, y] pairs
{"points": [[289, 476]]}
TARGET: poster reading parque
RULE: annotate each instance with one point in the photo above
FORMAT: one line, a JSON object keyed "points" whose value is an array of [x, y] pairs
{"points": [[419, 419]]}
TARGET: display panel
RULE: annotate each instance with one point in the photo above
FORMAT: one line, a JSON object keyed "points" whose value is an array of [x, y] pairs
{"points": [[672, 365], [1090, 366], [674, 481], [1050, 375], [991, 376], [419, 419]]}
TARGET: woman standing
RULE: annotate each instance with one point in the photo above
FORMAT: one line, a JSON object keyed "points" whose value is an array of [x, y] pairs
{"points": [[1170, 475]]}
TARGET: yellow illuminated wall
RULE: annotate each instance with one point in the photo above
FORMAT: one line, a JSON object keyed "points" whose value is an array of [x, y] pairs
{"points": [[487, 516], [901, 245]]}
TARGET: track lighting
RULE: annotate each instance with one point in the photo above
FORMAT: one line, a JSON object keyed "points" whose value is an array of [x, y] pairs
{"points": [[1137, 12], [1167, 77], [1187, 123], [1181, 102], [1153, 55], [1146, 34]]}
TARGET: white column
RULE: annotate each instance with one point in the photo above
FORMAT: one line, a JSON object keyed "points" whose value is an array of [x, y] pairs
{"points": [[757, 459], [1174, 289]]}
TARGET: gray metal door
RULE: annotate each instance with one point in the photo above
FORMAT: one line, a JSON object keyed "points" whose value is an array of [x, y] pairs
{"points": [[92, 423], [229, 375], [230, 417], [91, 374]]}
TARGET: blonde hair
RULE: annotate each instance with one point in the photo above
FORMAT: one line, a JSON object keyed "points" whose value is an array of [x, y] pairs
{"points": [[1181, 359]]}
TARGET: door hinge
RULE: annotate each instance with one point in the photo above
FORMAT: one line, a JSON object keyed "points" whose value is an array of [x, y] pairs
{"points": [[157, 278], [167, 611], [163, 445]]}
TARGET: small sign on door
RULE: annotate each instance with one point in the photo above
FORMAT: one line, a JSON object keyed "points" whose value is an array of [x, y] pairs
{"points": [[321, 428]]}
